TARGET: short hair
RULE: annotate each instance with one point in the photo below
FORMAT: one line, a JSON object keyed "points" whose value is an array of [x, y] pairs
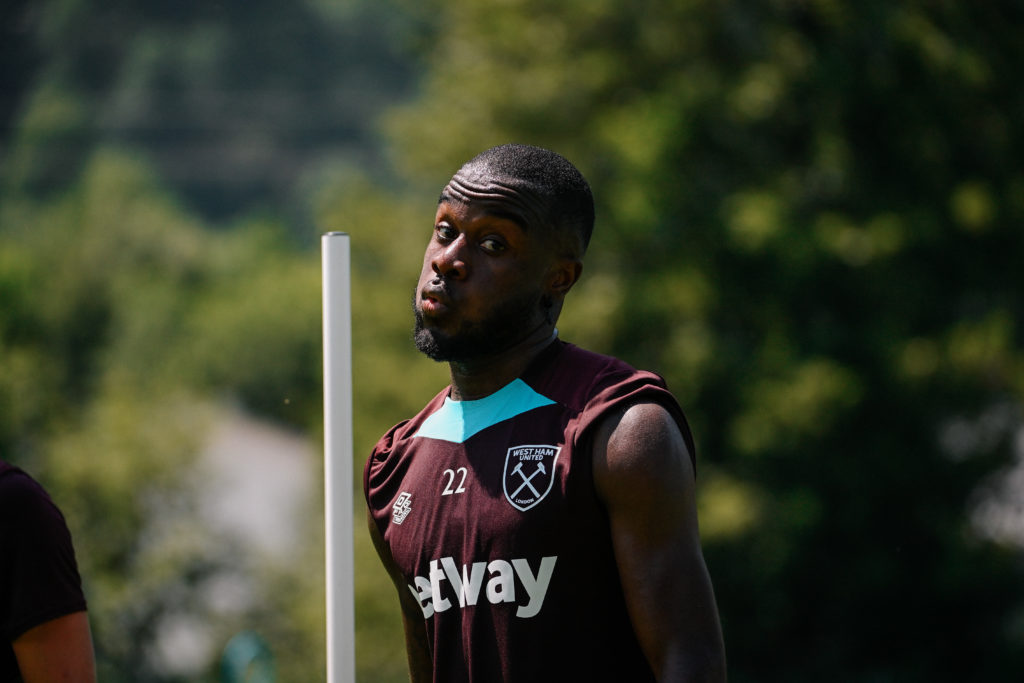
{"points": [[565, 194]]}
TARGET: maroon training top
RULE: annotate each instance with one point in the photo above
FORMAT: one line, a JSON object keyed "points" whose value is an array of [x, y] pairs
{"points": [[489, 510]]}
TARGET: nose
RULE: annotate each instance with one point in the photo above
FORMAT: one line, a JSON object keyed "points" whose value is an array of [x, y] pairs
{"points": [[448, 261]]}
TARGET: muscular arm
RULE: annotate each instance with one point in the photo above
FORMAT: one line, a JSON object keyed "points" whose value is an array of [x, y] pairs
{"points": [[417, 647], [644, 475], [57, 651]]}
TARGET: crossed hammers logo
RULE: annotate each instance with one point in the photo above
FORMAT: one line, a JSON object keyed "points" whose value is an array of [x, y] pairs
{"points": [[544, 457], [518, 469]]}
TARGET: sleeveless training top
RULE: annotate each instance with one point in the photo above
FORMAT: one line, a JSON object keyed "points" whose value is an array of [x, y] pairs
{"points": [[489, 510]]}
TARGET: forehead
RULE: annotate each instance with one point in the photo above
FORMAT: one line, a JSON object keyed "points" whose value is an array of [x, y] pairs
{"points": [[496, 196]]}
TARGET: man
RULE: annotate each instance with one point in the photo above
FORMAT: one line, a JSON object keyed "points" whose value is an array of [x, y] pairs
{"points": [[44, 628], [537, 517]]}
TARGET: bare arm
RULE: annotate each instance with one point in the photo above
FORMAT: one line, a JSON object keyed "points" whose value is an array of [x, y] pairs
{"points": [[57, 651], [417, 646], [644, 474]]}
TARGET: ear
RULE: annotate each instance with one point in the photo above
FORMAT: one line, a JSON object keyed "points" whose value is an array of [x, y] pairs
{"points": [[563, 275]]}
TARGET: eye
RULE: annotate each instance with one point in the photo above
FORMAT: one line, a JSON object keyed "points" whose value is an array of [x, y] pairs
{"points": [[492, 245], [445, 232]]}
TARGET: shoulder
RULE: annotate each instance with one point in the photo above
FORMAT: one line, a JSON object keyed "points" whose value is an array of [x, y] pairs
{"points": [[388, 450], [406, 429], [582, 379], [22, 498], [585, 369], [605, 387], [640, 450], [38, 552]]}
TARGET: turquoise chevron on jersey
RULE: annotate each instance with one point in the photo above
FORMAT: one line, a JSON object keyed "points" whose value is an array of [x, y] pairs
{"points": [[456, 421], [489, 510]]}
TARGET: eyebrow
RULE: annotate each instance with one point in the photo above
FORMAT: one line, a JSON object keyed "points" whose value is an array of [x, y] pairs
{"points": [[451, 198], [510, 216]]}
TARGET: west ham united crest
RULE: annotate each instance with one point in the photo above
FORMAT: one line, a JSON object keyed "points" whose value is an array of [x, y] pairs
{"points": [[529, 474]]}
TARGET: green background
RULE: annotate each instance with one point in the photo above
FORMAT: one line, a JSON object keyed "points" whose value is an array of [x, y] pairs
{"points": [[809, 222]]}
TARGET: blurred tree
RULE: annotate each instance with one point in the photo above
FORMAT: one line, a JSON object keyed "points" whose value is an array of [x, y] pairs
{"points": [[118, 344], [238, 104], [808, 222], [126, 320]]}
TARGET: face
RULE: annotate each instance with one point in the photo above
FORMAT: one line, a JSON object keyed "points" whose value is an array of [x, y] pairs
{"points": [[487, 280]]}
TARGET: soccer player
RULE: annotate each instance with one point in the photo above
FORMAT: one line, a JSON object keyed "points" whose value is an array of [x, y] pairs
{"points": [[537, 517]]}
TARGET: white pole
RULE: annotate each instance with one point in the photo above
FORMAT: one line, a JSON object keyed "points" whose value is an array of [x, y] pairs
{"points": [[337, 322]]}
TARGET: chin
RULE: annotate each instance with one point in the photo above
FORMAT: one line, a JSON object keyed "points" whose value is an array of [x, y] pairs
{"points": [[450, 348], [433, 344]]}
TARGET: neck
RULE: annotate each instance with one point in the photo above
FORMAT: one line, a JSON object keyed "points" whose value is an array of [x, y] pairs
{"points": [[483, 376]]}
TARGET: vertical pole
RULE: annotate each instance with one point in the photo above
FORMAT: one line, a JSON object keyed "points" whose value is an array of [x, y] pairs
{"points": [[337, 324]]}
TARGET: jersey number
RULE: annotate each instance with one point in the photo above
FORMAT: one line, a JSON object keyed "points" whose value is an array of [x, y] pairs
{"points": [[450, 474]]}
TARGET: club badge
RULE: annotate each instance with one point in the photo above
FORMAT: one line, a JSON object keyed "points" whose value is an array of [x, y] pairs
{"points": [[529, 474], [401, 508]]}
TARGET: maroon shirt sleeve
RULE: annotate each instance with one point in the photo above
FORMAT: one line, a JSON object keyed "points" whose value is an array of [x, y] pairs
{"points": [[39, 579]]}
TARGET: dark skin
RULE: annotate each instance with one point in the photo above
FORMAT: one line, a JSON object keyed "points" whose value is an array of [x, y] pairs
{"points": [[483, 252], [57, 651]]}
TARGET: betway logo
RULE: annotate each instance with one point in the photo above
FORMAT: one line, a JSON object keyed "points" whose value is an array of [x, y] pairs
{"points": [[463, 585]]}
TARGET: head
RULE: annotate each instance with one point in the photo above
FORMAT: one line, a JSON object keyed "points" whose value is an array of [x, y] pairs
{"points": [[510, 232]]}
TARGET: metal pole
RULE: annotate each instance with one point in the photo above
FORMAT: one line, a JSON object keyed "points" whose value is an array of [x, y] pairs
{"points": [[337, 324]]}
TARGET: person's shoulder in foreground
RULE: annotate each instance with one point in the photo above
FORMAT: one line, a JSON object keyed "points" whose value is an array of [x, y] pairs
{"points": [[44, 627], [538, 516]]}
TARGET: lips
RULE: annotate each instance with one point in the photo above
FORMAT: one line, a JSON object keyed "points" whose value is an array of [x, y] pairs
{"points": [[434, 300]]}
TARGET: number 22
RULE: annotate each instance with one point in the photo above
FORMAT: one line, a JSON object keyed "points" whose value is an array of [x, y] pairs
{"points": [[450, 474]]}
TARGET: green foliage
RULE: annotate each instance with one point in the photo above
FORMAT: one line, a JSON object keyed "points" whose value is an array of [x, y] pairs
{"points": [[125, 321], [807, 222], [235, 103]]}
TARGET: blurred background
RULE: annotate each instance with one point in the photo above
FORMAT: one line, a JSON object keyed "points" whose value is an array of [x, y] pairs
{"points": [[809, 222]]}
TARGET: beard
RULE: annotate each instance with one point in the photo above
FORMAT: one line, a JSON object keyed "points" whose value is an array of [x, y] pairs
{"points": [[505, 325]]}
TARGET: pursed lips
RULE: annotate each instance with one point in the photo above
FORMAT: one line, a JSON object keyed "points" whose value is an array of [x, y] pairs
{"points": [[434, 298]]}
